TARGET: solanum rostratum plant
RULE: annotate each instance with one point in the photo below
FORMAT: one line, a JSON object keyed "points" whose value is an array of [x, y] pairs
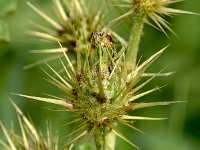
{"points": [[104, 83]]}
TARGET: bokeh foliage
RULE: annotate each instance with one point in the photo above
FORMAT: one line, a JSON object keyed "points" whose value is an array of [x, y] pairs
{"points": [[180, 131]]}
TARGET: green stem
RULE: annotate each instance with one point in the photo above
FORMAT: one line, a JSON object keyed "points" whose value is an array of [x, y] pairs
{"points": [[105, 140], [133, 46]]}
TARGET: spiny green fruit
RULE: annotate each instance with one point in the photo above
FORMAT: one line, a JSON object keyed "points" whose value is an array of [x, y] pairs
{"points": [[100, 90]]}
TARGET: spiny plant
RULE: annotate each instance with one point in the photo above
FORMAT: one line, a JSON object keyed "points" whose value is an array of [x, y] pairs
{"points": [[152, 12], [73, 26], [29, 138], [103, 86], [75, 22], [101, 91]]}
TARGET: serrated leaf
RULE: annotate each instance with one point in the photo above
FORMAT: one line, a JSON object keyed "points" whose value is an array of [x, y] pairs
{"points": [[4, 32]]}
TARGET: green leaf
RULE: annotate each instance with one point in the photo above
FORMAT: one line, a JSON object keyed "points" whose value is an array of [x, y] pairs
{"points": [[85, 146], [7, 7], [4, 32]]}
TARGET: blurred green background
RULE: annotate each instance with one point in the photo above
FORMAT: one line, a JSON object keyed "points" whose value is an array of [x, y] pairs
{"points": [[181, 131]]}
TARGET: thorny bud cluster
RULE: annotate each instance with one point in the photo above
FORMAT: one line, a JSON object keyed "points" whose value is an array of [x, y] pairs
{"points": [[98, 87]]}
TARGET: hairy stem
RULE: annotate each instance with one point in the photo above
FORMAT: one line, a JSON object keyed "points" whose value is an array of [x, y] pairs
{"points": [[133, 46], [105, 140]]}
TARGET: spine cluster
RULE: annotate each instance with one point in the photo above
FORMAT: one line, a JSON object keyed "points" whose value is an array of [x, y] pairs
{"points": [[102, 84]]}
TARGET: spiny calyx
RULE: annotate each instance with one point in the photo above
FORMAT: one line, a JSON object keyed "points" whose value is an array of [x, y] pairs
{"points": [[147, 6], [76, 23], [100, 90], [154, 10]]}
